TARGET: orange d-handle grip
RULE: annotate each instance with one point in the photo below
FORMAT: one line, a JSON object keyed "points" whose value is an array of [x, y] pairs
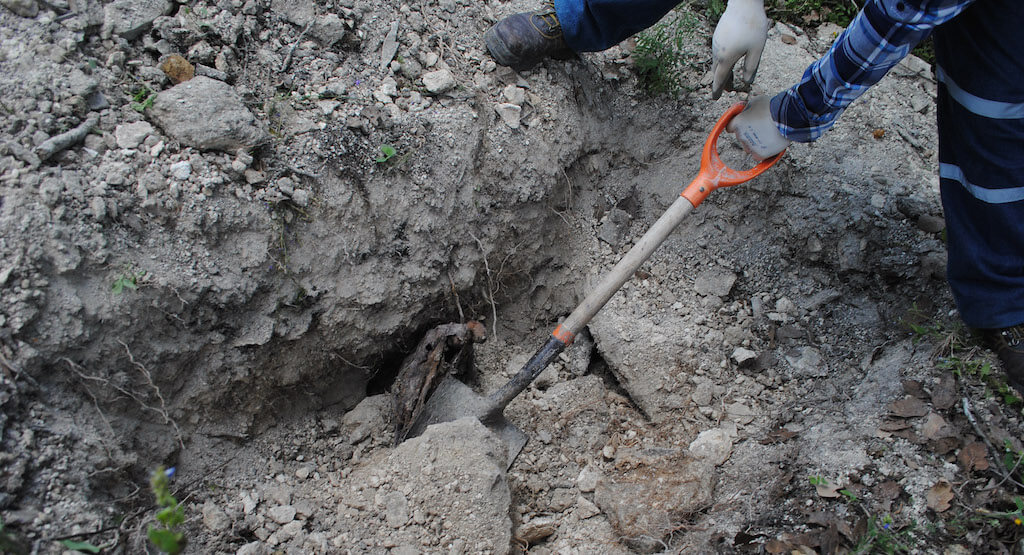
{"points": [[713, 172]]}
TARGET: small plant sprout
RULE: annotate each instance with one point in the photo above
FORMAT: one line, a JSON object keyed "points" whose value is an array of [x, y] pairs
{"points": [[166, 537], [128, 279], [387, 153], [143, 98]]}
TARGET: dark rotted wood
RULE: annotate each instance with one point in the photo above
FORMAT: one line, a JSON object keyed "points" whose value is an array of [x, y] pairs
{"points": [[448, 348]]}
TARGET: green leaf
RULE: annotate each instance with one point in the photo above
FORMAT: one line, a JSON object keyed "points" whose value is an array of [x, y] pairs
{"points": [[387, 152], [83, 547], [167, 541]]}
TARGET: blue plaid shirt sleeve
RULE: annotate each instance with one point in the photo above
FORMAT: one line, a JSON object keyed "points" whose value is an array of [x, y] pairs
{"points": [[881, 35]]}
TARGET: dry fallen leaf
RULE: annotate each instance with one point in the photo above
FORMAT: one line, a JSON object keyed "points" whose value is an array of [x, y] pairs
{"points": [[944, 394], [973, 455], [913, 387], [826, 489], [936, 427], [908, 407], [939, 496], [878, 133]]}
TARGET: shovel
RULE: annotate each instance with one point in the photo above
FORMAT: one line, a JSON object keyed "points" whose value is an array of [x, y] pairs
{"points": [[452, 399]]}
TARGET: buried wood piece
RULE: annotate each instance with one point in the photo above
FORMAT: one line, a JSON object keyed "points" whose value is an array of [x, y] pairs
{"points": [[443, 350]]}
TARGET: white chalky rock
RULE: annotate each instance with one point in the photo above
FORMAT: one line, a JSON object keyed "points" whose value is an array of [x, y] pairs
{"points": [[510, 114], [439, 82], [131, 135], [714, 446]]}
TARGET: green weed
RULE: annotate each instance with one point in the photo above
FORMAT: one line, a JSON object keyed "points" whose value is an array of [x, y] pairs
{"points": [[812, 12], [143, 98], [663, 56], [171, 514], [387, 153], [9, 543], [128, 279], [81, 547], [958, 351], [884, 536]]}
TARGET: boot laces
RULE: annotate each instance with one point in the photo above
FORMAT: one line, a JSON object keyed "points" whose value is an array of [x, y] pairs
{"points": [[546, 15]]}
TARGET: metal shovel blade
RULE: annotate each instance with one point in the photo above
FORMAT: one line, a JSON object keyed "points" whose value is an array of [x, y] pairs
{"points": [[453, 400]]}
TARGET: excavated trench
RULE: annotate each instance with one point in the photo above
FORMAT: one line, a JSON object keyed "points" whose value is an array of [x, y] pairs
{"points": [[258, 349]]}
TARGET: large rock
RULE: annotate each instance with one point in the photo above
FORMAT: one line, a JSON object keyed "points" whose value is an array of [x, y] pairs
{"points": [[659, 489], [451, 480], [24, 8], [207, 114], [129, 18]]}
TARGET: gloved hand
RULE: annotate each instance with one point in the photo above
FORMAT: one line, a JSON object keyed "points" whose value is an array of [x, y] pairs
{"points": [[756, 130], [741, 31]]}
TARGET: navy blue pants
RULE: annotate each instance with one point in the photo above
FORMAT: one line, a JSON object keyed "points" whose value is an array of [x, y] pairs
{"points": [[980, 114], [595, 25]]}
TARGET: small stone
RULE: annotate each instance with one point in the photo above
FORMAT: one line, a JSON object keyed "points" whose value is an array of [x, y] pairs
{"points": [[396, 509], [743, 357], [303, 473], [537, 529], [131, 135], [300, 197], [177, 68], [214, 518], [23, 8], [510, 114], [514, 95], [254, 548], [130, 18], [608, 452], [587, 480], [585, 508], [716, 282], [282, 514], [714, 446], [181, 170], [439, 82], [931, 224]]}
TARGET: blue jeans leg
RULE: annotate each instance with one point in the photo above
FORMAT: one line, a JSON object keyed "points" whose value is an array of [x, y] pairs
{"points": [[595, 25]]}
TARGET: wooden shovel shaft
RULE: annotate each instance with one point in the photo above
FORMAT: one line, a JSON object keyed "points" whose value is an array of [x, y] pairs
{"points": [[620, 274], [593, 303]]}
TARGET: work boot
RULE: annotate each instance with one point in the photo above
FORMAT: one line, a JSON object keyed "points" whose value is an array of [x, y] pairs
{"points": [[1008, 343], [522, 40]]}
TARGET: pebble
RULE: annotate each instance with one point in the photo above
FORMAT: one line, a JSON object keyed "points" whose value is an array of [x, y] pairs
{"points": [[214, 518], [282, 514], [131, 135], [714, 446], [439, 82], [587, 479], [510, 113], [181, 170]]}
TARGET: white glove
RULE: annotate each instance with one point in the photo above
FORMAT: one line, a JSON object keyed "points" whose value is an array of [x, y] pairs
{"points": [[741, 31], [756, 130]]}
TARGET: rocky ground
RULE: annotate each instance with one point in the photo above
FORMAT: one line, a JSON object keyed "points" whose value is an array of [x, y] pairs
{"points": [[226, 224]]}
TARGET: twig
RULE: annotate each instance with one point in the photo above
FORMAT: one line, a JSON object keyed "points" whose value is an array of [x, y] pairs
{"points": [[462, 316], [57, 143], [1007, 477], [490, 288], [288, 59], [159, 396]]}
